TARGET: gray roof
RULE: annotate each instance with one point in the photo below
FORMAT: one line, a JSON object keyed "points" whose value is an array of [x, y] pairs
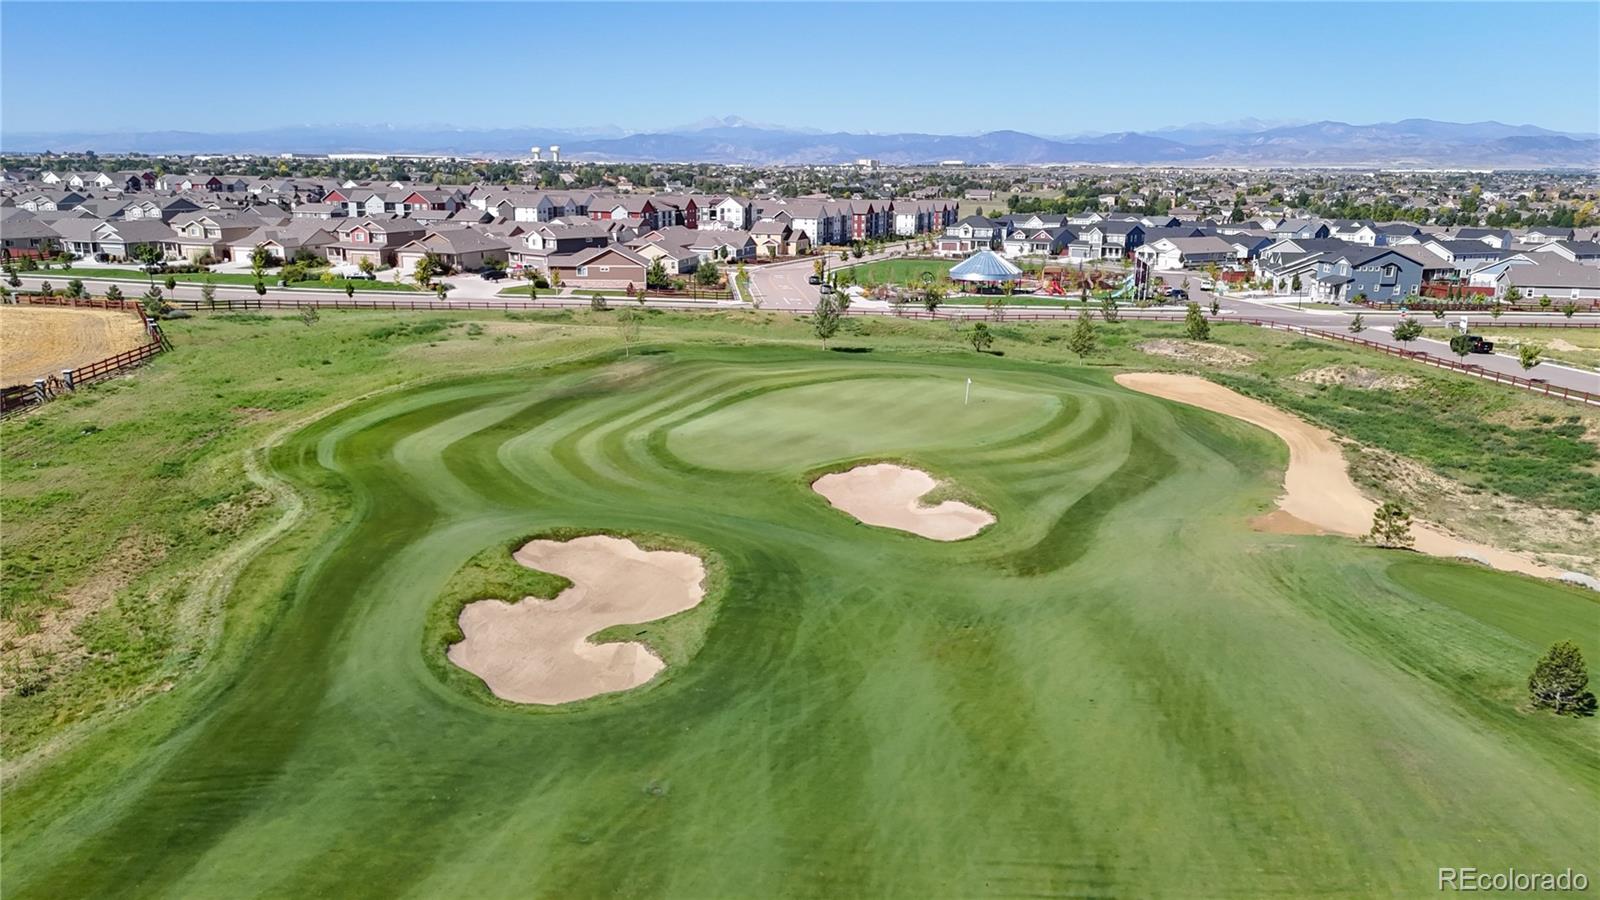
{"points": [[1555, 273]]}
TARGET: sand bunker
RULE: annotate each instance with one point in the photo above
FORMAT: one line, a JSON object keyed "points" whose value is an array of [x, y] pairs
{"points": [[537, 651], [1317, 490], [890, 496]]}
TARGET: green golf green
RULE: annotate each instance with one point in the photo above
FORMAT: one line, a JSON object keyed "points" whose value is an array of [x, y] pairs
{"points": [[1117, 689]]}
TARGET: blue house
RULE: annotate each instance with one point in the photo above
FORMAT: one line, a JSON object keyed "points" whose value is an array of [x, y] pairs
{"points": [[1378, 274]]}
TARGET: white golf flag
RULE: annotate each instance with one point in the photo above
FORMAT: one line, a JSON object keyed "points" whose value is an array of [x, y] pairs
{"points": [[968, 394]]}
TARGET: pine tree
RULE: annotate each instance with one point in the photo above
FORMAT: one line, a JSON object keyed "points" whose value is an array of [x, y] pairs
{"points": [[1559, 682], [1083, 337], [1391, 526], [1407, 330], [1195, 324]]}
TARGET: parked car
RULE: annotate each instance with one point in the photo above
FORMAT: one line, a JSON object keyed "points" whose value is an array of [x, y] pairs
{"points": [[493, 274], [814, 279], [1174, 293]]}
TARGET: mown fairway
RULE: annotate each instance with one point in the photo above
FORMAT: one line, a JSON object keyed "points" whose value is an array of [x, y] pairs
{"points": [[1116, 690]]}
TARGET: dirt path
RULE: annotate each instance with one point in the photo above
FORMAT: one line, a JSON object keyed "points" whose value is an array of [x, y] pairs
{"points": [[890, 496], [37, 341], [537, 651], [1317, 490]]}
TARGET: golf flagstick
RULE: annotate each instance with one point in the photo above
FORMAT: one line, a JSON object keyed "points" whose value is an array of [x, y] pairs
{"points": [[968, 394]]}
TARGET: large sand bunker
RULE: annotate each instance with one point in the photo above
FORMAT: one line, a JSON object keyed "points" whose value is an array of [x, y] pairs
{"points": [[891, 496], [1317, 490], [537, 651]]}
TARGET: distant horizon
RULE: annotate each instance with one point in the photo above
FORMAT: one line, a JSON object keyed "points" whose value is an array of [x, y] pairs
{"points": [[1173, 64], [610, 129]]}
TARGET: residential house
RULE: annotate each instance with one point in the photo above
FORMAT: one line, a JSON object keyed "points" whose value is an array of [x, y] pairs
{"points": [[1585, 252], [461, 249], [1378, 274], [119, 240], [535, 246], [1037, 241], [602, 267], [970, 235], [1355, 231], [50, 201], [1498, 238], [24, 234], [1302, 228], [775, 238], [1465, 255], [1170, 254], [209, 233], [1546, 234], [372, 239], [159, 209], [322, 211], [286, 242], [1107, 240], [1561, 280]]}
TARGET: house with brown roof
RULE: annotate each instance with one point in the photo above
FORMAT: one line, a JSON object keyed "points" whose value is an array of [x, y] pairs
{"points": [[286, 241], [461, 249], [602, 267], [774, 238], [374, 239]]}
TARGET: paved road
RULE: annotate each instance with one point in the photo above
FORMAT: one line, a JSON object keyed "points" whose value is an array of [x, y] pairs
{"points": [[783, 285]]}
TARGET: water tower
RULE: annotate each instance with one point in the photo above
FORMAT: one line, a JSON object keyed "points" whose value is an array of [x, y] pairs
{"points": [[536, 151], [555, 153]]}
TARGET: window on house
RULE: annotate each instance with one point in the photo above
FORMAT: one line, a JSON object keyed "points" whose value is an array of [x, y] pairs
{"points": [[583, 271]]}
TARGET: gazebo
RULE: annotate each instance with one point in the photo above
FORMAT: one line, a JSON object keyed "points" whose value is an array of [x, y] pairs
{"points": [[985, 267]]}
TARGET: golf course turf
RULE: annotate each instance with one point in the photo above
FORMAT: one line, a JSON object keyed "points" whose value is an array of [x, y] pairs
{"points": [[1116, 689]]}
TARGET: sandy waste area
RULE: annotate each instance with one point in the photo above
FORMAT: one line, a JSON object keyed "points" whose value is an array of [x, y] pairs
{"points": [[1318, 495], [890, 496], [537, 651]]}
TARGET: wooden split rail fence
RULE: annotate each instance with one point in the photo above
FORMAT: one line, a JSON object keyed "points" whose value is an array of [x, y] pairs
{"points": [[19, 397]]}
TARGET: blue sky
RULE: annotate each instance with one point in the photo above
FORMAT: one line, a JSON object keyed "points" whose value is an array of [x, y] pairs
{"points": [[185, 65]]}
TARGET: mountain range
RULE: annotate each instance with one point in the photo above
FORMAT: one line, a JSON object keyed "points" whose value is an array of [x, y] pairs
{"points": [[1418, 143]]}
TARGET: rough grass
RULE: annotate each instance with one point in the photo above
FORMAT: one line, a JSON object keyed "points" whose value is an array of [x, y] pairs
{"points": [[1117, 689]]}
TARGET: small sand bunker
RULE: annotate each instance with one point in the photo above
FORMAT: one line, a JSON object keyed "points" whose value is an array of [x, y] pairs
{"points": [[1317, 491], [537, 651], [1357, 377], [890, 496], [1196, 351]]}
